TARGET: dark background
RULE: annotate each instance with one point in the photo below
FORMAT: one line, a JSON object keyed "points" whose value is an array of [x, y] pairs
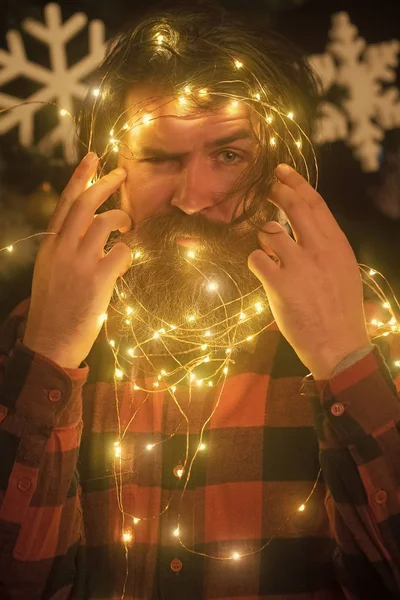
{"points": [[352, 195]]}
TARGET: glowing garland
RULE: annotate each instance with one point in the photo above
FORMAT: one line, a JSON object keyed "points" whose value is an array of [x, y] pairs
{"points": [[206, 341]]}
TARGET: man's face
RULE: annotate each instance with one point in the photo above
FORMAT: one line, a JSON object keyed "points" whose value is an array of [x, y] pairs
{"points": [[184, 159], [180, 166]]}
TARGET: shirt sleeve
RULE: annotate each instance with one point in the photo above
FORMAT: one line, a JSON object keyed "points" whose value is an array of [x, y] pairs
{"points": [[357, 417], [40, 513]]}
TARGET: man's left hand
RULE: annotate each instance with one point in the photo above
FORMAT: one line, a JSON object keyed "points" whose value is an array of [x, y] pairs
{"points": [[314, 290]]}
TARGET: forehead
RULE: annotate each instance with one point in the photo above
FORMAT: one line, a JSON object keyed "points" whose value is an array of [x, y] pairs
{"points": [[169, 121]]}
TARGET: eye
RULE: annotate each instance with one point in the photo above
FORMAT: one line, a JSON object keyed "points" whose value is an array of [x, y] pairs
{"points": [[230, 157], [155, 159]]}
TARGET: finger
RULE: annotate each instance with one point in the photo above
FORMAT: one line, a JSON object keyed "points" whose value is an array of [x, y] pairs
{"points": [[314, 200], [78, 183], [96, 237], [274, 238], [81, 214], [116, 262], [300, 216], [263, 267]]}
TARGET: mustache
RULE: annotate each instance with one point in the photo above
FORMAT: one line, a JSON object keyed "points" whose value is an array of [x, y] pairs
{"points": [[162, 231]]}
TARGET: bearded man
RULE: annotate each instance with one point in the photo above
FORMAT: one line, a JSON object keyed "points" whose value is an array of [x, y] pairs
{"points": [[174, 450]]}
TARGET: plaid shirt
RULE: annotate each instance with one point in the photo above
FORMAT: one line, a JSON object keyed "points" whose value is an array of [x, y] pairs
{"points": [[60, 525]]}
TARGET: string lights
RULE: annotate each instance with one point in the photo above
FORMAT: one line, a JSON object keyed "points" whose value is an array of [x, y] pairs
{"points": [[219, 341]]}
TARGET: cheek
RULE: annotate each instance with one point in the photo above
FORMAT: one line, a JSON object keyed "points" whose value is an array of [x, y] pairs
{"points": [[144, 196]]}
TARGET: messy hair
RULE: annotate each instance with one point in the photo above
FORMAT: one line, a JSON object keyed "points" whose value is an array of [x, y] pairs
{"points": [[231, 57]]}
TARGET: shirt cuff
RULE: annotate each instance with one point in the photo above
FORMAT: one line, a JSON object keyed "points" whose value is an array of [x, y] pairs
{"points": [[353, 358], [38, 388]]}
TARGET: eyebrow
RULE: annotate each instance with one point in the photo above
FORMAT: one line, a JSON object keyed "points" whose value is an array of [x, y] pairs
{"points": [[240, 134]]}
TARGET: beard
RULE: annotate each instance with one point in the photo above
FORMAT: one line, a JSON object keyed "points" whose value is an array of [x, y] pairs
{"points": [[174, 308]]}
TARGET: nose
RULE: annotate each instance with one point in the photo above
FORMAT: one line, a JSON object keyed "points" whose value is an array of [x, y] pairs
{"points": [[195, 190]]}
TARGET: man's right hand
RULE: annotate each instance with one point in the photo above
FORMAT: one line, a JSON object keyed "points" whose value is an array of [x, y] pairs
{"points": [[73, 279]]}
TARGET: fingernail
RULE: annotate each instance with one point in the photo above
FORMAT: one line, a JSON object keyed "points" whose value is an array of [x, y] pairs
{"points": [[283, 169], [119, 171], [90, 158]]}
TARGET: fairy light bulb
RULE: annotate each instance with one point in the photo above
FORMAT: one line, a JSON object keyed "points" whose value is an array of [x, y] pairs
{"points": [[192, 377], [146, 118], [63, 112], [249, 338], [115, 149], [207, 334], [212, 286], [96, 92], [127, 536], [128, 321], [118, 373], [149, 447], [203, 92], [202, 446], [191, 318], [235, 556], [172, 327], [112, 132], [163, 372], [204, 347], [225, 370], [199, 382], [210, 384], [112, 343], [386, 305], [298, 143], [268, 119], [187, 90], [207, 359], [10, 248], [242, 316], [272, 141], [372, 272], [374, 322], [159, 38], [290, 115], [129, 310], [258, 306], [126, 126], [131, 352], [238, 64], [136, 520], [118, 450], [102, 318], [135, 387], [397, 363], [156, 335], [156, 384], [191, 254], [301, 508], [235, 103], [138, 254], [173, 388], [179, 473], [176, 532], [228, 350], [182, 100]]}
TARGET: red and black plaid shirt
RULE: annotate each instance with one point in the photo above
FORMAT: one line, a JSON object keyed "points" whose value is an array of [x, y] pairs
{"points": [[60, 523]]}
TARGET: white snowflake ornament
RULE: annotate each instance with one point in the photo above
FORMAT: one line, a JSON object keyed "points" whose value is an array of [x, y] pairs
{"points": [[371, 106], [60, 84]]}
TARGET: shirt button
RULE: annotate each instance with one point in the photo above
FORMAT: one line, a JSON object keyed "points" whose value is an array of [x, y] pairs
{"points": [[24, 484], [381, 497], [176, 565], [54, 395], [179, 471], [337, 409]]}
